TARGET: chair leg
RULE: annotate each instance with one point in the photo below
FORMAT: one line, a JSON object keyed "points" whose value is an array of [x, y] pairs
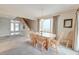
{"points": [[42, 48], [67, 44], [36, 45], [32, 43], [56, 49]]}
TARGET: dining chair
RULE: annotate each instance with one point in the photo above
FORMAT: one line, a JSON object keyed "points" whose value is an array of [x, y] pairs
{"points": [[43, 42], [69, 39], [55, 43], [33, 38]]}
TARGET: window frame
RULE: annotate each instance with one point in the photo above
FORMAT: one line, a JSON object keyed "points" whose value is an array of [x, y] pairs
{"points": [[51, 26], [14, 22]]}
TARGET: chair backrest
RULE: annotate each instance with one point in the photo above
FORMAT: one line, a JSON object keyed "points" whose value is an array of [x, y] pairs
{"points": [[32, 34], [60, 37], [69, 36]]}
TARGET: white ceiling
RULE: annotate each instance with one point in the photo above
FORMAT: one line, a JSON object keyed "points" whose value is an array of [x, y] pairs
{"points": [[34, 10]]}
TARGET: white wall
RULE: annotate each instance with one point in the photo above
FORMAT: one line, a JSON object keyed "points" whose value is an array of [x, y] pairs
{"points": [[34, 25], [65, 15], [4, 26]]}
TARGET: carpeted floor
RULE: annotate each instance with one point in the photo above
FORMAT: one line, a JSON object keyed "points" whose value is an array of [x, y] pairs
{"points": [[19, 45]]}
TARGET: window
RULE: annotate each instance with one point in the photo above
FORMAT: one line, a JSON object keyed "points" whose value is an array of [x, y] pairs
{"points": [[12, 26], [15, 27], [45, 26]]}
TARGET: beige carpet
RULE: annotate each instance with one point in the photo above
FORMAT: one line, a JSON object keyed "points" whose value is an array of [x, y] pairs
{"points": [[18, 45]]}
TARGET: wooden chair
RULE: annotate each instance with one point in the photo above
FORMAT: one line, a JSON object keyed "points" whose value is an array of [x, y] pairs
{"points": [[69, 39], [33, 38], [54, 43], [42, 41], [38, 39]]}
